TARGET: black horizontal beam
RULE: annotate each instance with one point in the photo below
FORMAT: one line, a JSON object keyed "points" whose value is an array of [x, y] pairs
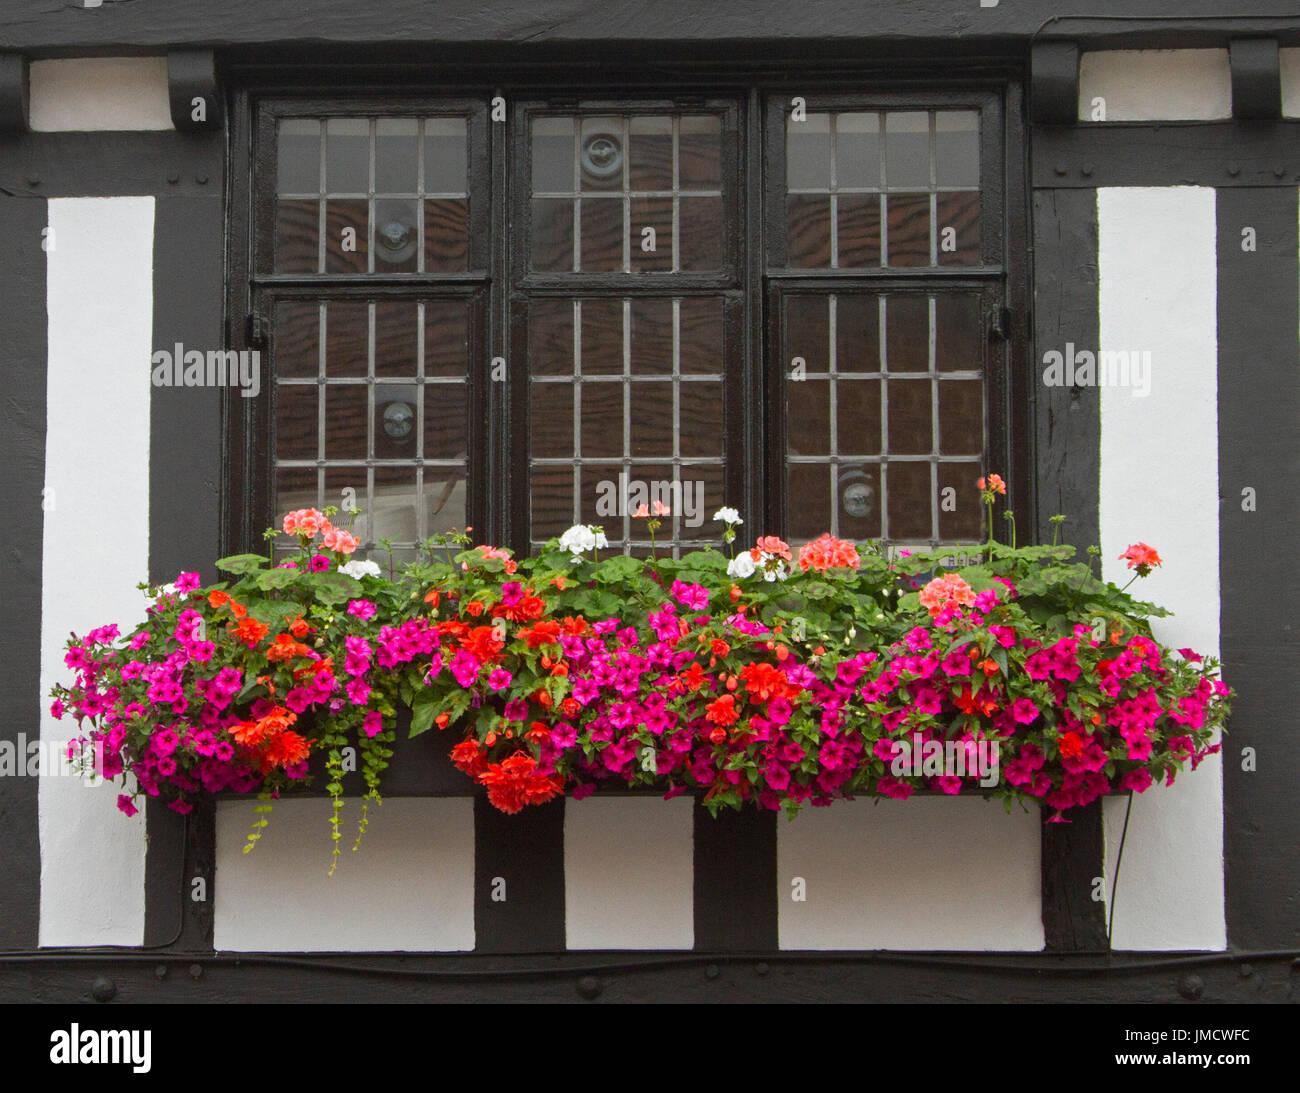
{"points": [[650, 977], [51, 29], [107, 164], [1236, 153]]}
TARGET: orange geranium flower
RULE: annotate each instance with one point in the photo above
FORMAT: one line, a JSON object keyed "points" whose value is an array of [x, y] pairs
{"points": [[284, 648], [250, 632], [285, 748], [217, 598], [723, 711], [483, 642], [1070, 745], [300, 627], [516, 782], [469, 757], [545, 632], [693, 677]]}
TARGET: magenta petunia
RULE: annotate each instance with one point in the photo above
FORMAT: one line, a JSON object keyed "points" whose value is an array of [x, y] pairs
{"points": [[319, 563]]}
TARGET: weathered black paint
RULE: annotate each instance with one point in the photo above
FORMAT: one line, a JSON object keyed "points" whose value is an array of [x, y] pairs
{"points": [[13, 92], [736, 884], [1067, 468], [519, 879], [878, 25], [185, 426], [22, 454], [192, 90], [1054, 83], [1259, 406], [1256, 78], [1068, 420], [110, 164], [659, 977], [1072, 855], [1220, 154]]}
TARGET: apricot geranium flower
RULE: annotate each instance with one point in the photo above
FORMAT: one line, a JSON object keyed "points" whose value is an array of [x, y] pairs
{"points": [[1141, 557], [827, 552], [945, 590]]}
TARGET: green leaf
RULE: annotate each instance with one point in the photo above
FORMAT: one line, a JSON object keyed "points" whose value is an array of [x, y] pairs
{"points": [[423, 711], [335, 587], [242, 563], [274, 612], [618, 569], [275, 578]]}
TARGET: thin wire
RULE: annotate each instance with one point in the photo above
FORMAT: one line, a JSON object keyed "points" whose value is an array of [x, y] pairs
{"points": [[1032, 964], [59, 950], [1114, 884]]}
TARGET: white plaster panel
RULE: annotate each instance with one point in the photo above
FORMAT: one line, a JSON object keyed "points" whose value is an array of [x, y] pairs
{"points": [[89, 93], [409, 887], [1160, 485], [629, 873], [95, 545], [1156, 84], [953, 873]]}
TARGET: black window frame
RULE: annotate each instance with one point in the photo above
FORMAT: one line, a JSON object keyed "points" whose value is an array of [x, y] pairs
{"points": [[990, 279], [497, 507]]}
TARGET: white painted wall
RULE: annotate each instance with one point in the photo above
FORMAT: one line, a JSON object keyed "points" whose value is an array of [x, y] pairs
{"points": [[956, 873], [629, 874], [85, 93], [1289, 61], [1156, 84], [95, 548], [410, 886], [1160, 485]]}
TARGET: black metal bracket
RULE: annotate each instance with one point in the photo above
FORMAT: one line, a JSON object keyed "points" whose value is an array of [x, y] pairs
{"points": [[13, 93], [1054, 83], [193, 92], [1256, 78]]}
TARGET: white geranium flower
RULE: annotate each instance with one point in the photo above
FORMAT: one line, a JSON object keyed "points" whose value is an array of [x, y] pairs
{"points": [[728, 516], [775, 573], [578, 539], [581, 538], [741, 566], [359, 569]]}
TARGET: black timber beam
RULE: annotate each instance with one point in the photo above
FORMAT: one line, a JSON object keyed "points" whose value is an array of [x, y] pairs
{"points": [[1054, 83], [13, 93], [725, 27], [192, 90], [1256, 78]]}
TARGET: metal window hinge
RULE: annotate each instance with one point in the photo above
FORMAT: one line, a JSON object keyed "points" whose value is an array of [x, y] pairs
{"points": [[257, 330]]}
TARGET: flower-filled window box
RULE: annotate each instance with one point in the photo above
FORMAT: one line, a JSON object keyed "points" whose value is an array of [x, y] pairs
{"points": [[767, 678]]}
